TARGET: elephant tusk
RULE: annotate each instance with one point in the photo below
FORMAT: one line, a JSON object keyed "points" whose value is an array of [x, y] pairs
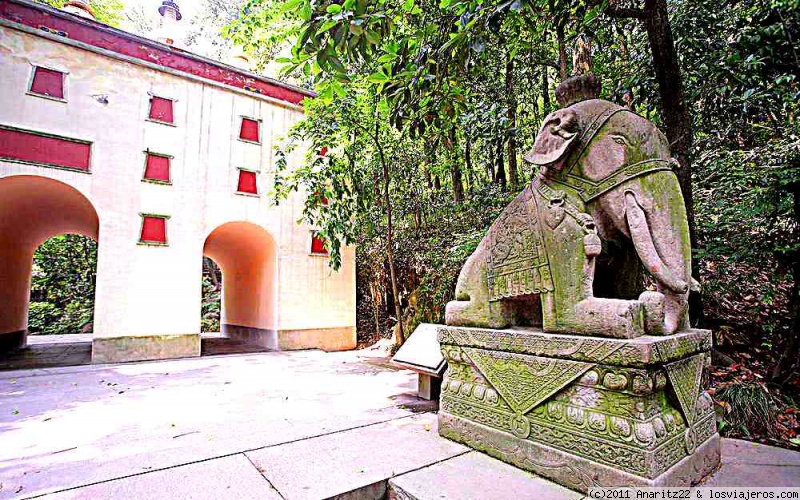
{"points": [[643, 242]]}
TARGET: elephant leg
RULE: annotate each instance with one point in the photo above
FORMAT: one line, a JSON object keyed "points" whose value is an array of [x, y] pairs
{"points": [[670, 281], [617, 318], [472, 306]]}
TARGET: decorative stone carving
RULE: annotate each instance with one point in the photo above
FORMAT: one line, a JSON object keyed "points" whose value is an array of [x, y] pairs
{"points": [[615, 422], [605, 173], [587, 390]]}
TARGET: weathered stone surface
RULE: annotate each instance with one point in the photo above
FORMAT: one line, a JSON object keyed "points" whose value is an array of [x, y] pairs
{"points": [[605, 202], [573, 409], [144, 347], [475, 476], [756, 465], [348, 461], [227, 477], [70, 427], [641, 351]]}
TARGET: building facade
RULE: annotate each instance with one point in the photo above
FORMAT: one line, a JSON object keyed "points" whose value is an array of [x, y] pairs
{"points": [[162, 157]]}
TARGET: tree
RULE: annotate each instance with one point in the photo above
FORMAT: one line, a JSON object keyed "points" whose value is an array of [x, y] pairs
{"points": [[105, 11], [62, 285]]}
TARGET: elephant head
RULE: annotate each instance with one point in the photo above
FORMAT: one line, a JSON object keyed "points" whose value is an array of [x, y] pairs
{"points": [[618, 165]]}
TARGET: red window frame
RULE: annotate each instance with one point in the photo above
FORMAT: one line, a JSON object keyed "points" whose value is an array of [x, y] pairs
{"points": [[318, 244], [47, 82], [250, 130], [154, 229], [38, 148], [248, 182], [157, 168], [161, 110]]}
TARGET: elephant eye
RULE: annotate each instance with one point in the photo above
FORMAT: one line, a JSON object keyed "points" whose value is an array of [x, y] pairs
{"points": [[619, 139]]}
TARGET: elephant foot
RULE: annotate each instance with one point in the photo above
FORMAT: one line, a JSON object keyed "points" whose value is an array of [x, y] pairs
{"points": [[469, 313], [622, 319], [676, 313], [654, 304]]}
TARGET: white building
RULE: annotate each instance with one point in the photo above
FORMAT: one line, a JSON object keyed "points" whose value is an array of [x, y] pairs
{"points": [[162, 157]]}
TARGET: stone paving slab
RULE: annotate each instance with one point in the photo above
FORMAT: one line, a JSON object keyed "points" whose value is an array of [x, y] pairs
{"points": [[68, 427], [753, 464], [346, 462], [475, 476], [231, 477]]}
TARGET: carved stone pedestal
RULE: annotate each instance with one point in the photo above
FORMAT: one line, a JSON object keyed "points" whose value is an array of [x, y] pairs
{"points": [[582, 411]]}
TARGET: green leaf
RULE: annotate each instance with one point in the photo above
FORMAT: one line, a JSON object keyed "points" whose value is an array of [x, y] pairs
{"points": [[327, 25], [290, 5], [334, 8], [378, 78]]}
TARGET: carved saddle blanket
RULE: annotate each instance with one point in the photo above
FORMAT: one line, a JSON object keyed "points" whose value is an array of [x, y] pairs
{"points": [[516, 261]]}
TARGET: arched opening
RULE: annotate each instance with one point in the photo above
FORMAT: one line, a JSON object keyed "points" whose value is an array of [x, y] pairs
{"points": [[62, 289], [33, 210], [247, 256]]}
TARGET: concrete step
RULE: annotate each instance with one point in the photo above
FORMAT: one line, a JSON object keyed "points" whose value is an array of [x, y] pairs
{"points": [[475, 476], [354, 464]]}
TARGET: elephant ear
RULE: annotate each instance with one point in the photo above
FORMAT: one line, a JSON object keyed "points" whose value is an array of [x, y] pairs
{"points": [[558, 133]]}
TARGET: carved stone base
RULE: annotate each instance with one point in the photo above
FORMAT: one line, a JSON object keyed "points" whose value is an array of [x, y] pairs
{"points": [[582, 411]]}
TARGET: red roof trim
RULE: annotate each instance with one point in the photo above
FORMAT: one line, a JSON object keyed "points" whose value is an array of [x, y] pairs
{"points": [[98, 35]]}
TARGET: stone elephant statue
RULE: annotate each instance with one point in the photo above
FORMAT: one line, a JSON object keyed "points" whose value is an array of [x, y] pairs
{"points": [[568, 253]]}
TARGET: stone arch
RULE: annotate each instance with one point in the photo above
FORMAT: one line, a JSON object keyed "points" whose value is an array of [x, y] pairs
{"points": [[33, 209], [247, 254]]}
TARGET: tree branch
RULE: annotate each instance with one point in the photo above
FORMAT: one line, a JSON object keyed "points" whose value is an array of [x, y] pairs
{"points": [[620, 12], [625, 13]]}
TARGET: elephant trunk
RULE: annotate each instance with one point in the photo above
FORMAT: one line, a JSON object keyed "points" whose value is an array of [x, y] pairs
{"points": [[643, 242]]}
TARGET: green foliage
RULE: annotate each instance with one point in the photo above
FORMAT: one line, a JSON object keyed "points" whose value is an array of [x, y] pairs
{"points": [[210, 307], [62, 286], [105, 11], [746, 409]]}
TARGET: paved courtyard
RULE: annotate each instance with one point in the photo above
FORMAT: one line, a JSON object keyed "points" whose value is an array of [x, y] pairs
{"points": [[299, 425]]}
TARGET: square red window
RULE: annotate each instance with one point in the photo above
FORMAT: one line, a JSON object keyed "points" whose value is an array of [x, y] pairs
{"points": [[48, 82], [154, 229], [250, 130], [161, 109], [157, 168], [318, 244], [247, 182]]}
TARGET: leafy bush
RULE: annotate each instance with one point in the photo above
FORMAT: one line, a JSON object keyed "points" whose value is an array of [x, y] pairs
{"points": [[746, 409], [63, 285]]}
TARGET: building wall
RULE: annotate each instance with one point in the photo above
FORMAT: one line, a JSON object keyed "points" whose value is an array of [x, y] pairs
{"points": [[147, 291]]}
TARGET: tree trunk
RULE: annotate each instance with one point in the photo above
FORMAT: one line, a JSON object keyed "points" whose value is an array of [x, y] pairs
{"points": [[399, 334], [545, 92], [563, 73], [376, 304], [677, 121], [500, 173], [428, 160], [468, 160], [455, 169], [512, 123]]}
